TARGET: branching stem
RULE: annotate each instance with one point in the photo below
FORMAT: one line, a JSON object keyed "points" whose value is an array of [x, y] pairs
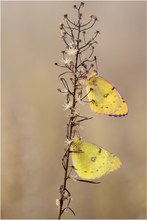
{"points": [[76, 47]]}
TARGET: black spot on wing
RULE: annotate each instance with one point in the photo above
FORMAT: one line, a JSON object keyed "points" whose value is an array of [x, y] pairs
{"points": [[94, 102], [99, 151], [106, 95], [93, 159]]}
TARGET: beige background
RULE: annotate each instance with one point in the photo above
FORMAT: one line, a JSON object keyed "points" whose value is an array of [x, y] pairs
{"points": [[33, 119]]}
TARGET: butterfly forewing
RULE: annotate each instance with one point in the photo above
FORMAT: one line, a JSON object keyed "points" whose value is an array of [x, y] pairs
{"points": [[104, 98]]}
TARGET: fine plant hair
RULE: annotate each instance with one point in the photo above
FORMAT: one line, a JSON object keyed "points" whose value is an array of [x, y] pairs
{"points": [[77, 61]]}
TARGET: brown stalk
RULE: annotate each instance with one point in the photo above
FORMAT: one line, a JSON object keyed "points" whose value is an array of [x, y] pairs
{"points": [[74, 118]]}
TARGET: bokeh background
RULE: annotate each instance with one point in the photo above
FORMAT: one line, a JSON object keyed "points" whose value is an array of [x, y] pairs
{"points": [[33, 119]]}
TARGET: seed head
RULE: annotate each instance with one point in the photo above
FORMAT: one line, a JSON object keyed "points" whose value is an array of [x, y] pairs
{"points": [[75, 7], [65, 16]]}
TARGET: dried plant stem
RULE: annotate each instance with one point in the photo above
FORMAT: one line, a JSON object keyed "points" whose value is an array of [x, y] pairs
{"points": [[71, 123], [77, 67], [64, 186]]}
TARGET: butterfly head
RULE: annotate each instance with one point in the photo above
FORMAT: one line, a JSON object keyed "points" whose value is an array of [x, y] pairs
{"points": [[84, 80], [94, 73], [77, 139]]}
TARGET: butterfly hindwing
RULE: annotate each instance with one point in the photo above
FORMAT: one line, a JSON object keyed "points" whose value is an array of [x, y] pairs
{"points": [[122, 110], [91, 161], [104, 98]]}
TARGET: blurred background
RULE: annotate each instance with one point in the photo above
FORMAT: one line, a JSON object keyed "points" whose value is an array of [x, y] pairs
{"points": [[33, 119]]}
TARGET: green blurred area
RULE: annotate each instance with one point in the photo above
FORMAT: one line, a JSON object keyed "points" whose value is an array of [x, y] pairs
{"points": [[33, 119]]}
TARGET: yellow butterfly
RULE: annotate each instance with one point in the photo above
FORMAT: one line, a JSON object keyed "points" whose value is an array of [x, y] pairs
{"points": [[104, 98], [91, 161]]}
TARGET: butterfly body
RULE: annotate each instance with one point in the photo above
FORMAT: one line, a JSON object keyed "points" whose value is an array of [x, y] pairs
{"points": [[91, 161], [104, 98]]}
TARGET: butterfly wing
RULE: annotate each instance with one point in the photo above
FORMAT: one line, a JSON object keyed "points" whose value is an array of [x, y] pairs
{"points": [[104, 98], [91, 161], [122, 110]]}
